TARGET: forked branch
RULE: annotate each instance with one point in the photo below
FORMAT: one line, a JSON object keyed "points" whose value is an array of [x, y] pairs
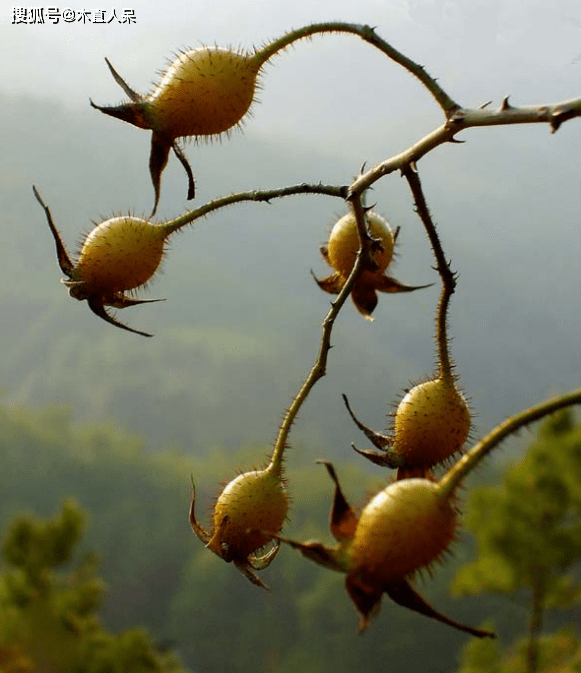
{"points": [[553, 114]]}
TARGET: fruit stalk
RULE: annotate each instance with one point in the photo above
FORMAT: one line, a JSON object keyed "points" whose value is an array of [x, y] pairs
{"points": [[319, 369], [367, 34], [274, 47], [448, 278], [257, 195], [453, 478]]}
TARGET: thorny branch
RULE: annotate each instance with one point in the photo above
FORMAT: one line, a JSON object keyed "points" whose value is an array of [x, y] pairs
{"points": [[319, 369], [256, 195], [554, 114], [443, 268], [452, 479]]}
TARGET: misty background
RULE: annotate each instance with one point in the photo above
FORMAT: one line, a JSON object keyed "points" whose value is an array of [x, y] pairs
{"points": [[241, 325]]}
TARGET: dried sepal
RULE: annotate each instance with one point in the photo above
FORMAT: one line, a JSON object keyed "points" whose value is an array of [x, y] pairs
{"points": [[403, 530], [340, 253], [117, 257]]}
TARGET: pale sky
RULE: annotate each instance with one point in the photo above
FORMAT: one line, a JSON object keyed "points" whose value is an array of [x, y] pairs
{"points": [[478, 49], [336, 94]]}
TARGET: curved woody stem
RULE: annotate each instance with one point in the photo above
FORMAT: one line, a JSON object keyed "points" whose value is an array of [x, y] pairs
{"points": [[319, 369], [367, 34], [448, 278], [257, 195], [554, 114], [452, 479]]}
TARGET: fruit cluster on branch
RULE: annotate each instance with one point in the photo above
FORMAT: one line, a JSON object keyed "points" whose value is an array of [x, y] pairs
{"points": [[410, 524]]}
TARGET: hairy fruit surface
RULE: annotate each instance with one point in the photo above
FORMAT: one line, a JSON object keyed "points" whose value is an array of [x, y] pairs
{"points": [[248, 515], [344, 243], [341, 251], [405, 528], [252, 502], [204, 92], [120, 254], [432, 423]]}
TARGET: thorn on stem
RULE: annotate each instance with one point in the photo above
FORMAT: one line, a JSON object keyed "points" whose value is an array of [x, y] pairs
{"points": [[505, 105]]}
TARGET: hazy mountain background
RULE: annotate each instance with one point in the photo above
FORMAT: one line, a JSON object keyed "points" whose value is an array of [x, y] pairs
{"points": [[241, 324]]}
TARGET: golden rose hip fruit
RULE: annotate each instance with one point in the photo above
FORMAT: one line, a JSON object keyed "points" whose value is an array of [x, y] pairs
{"points": [[119, 255], [403, 530], [344, 244], [341, 251], [251, 503], [248, 514], [432, 423]]}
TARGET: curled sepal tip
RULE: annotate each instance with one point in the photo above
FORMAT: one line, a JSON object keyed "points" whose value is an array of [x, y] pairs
{"points": [[405, 528], [247, 517]]}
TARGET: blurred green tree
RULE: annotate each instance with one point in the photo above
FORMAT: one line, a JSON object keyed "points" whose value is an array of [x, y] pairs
{"points": [[49, 604], [528, 533]]}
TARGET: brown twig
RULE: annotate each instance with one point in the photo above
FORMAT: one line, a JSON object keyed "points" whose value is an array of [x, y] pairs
{"points": [[319, 369], [448, 278]]}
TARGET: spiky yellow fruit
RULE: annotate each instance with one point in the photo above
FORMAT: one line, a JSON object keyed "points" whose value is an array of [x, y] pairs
{"points": [[252, 503], [344, 243], [432, 423], [341, 252], [120, 254], [406, 527], [204, 92]]}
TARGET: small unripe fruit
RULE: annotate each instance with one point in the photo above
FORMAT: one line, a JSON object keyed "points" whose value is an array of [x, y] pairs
{"points": [[251, 503], [248, 515], [341, 252], [120, 254], [405, 528], [204, 92], [432, 423], [344, 244]]}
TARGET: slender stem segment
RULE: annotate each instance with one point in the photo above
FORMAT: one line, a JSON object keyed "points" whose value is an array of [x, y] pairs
{"points": [[553, 114], [368, 34], [258, 195], [446, 274], [452, 479], [319, 369]]}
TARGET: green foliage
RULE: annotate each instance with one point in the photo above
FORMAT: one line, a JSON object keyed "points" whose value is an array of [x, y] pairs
{"points": [[529, 529], [528, 534], [159, 576], [558, 653], [48, 619]]}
